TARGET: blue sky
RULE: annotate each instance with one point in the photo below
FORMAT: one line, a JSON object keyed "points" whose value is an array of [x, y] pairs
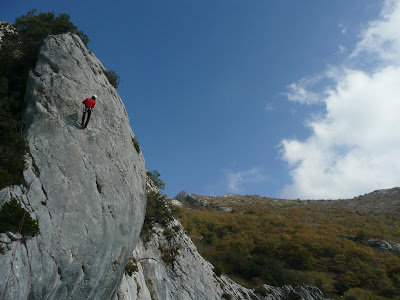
{"points": [[238, 96]]}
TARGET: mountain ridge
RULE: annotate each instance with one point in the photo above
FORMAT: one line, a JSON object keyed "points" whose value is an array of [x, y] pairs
{"points": [[382, 200]]}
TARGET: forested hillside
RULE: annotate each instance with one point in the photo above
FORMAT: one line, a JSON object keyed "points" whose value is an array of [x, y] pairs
{"points": [[322, 243]]}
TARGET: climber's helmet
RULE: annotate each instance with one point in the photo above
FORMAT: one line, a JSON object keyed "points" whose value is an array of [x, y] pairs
{"points": [[94, 97]]}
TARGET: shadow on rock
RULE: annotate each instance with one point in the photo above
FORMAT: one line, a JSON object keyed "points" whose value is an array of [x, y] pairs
{"points": [[73, 120]]}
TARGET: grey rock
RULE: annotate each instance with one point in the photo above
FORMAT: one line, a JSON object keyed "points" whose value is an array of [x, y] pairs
{"points": [[206, 201], [4, 196], [13, 236], [95, 174], [376, 245], [4, 238], [308, 292], [150, 186], [382, 246], [4, 29]]}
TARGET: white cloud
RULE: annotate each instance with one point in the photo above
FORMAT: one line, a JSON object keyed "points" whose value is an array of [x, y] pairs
{"points": [[343, 29], [355, 147], [238, 179], [269, 107], [381, 38], [301, 91]]}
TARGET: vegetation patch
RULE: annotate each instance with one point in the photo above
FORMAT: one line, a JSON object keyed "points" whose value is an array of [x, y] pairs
{"points": [[11, 215], [262, 291], [218, 270], [131, 267], [157, 213], [176, 228], [113, 78], [136, 145], [168, 255], [169, 234], [226, 296]]}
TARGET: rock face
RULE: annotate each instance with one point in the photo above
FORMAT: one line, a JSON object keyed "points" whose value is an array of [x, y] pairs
{"points": [[96, 174], [5, 28], [383, 246], [170, 268]]}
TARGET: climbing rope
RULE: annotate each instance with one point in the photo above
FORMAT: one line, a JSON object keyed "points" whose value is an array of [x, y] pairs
{"points": [[11, 273], [30, 272], [63, 216], [19, 235], [30, 261]]}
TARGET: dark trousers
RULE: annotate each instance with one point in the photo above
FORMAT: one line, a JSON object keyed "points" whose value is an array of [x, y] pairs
{"points": [[88, 112]]}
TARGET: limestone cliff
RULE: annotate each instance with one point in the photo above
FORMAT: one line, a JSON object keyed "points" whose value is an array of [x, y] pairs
{"points": [[96, 174]]}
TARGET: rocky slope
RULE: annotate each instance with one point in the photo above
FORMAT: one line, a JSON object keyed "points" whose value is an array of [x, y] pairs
{"points": [[170, 268], [97, 172], [378, 202]]}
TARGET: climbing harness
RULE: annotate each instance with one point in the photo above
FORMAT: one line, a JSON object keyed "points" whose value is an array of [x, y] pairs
{"points": [[87, 111]]}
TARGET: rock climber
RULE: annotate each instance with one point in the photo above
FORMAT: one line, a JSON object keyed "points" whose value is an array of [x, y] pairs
{"points": [[87, 111]]}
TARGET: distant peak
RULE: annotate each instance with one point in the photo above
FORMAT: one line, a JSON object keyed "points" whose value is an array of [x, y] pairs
{"points": [[181, 196]]}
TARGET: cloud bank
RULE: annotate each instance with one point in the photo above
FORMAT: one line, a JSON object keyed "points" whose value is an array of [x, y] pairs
{"points": [[237, 180], [354, 147]]}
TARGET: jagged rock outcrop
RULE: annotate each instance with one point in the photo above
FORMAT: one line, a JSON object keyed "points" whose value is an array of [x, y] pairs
{"points": [[96, 171], [377, 245], [182, 195], [207, 201], [382, 246], [169, 267], [5, 28]]}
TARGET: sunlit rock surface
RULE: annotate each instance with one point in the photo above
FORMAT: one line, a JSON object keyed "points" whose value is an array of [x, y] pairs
{"points": [[96, 171]]}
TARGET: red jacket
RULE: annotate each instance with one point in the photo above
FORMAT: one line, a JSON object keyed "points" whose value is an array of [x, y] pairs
{"points": [[89, 102]]}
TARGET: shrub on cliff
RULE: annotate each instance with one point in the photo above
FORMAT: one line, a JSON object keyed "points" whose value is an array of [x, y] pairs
{"points": [[131, 267], [155, 177], [157, 212], [113, 78], [10, 216]]}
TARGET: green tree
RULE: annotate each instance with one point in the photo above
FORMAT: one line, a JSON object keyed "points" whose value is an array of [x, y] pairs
{"points": [[10, 216], [34, 27], [157, 212], [341, 286], [113, 78], [155, 177]]}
